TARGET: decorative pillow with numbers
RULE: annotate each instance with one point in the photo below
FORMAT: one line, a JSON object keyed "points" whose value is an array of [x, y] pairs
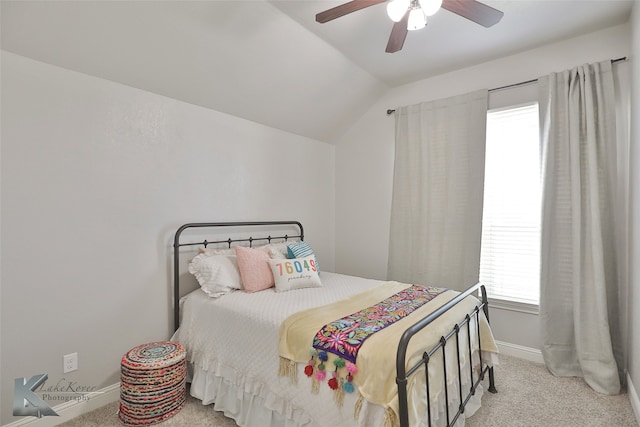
{"points": [[295, 273]]}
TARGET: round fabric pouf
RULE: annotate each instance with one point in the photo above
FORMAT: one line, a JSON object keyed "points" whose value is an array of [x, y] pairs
{"points": [[152, 383]]}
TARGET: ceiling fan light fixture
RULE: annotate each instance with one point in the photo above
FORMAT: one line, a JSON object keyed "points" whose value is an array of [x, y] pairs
{"points": [[430, 7], [412, 15], [417, 19], [397, 8]]}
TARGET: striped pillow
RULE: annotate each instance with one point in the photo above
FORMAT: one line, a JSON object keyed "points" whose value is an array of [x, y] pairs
{"points": [[301, 250]]}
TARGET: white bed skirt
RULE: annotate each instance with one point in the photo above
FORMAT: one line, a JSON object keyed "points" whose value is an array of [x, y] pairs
{"points": [[247, 408], [253, 405]]}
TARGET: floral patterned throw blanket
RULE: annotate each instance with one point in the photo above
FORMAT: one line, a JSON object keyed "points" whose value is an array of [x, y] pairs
{"points": [[345, 336], [352, 344]]}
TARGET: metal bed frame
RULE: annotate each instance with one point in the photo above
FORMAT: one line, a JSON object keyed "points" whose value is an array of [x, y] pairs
{"points": [[402, 372]]}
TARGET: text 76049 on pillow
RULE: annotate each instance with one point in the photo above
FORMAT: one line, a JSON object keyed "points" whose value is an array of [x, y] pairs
{"points": [[295, 273]]}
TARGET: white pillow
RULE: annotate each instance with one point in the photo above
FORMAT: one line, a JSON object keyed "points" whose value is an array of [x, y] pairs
{"points": [[216, 274], [296, 273], [278, 250]]}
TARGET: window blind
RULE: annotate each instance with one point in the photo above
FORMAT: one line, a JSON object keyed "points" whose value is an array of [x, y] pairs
{"points": [[510, 249]]}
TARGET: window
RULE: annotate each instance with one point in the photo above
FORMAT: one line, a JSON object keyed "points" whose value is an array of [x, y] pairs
{"points": [[510, 252]]}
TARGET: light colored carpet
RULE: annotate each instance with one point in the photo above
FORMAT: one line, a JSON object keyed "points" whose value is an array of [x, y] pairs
{"points": [[528, 396]]}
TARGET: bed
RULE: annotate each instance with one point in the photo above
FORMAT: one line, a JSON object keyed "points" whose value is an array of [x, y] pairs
{"points": [[250, 357]]}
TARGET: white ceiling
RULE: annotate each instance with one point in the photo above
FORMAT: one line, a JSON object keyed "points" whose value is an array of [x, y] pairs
{"points": [[269, 61], [450, 42]]}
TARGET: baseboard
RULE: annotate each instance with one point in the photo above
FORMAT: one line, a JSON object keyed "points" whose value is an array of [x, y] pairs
{"points": [[521, 352], [72, 408], [633, 398]]}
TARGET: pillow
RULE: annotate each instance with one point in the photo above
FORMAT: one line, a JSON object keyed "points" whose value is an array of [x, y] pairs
{"points": [[216, 274], [278, 250], [302, 249], [254, 268], [296, 273]]}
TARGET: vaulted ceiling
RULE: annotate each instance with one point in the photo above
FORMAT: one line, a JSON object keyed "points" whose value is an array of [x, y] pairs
{"points": [[269, 61]]}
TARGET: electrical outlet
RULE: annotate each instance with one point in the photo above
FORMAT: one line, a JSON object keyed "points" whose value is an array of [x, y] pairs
{"points": [[70, 362]]}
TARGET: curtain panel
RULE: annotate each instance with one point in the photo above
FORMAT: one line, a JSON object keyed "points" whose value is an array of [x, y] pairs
{"points": [[436, 208], [579, 252]]}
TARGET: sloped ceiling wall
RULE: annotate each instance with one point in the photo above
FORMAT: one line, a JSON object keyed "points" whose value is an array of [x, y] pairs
{"points": [[244, 58], [450, 42]]}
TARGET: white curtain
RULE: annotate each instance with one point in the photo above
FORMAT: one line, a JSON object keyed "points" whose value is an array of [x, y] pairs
{"points": [[436, 209], [580, 251]]}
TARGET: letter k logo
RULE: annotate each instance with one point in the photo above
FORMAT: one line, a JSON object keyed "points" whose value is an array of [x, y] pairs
{"points": [[23, 393]]}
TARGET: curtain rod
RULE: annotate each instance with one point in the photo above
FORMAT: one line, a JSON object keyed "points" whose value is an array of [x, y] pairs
{"points": [[613, 61]]}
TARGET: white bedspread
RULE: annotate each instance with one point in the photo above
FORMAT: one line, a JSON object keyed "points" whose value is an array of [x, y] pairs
{"points": [[232, 342]]}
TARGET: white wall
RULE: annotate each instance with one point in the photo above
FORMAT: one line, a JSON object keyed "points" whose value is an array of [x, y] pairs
{"points": [[364, 156], [96, 177], [634, 300]]}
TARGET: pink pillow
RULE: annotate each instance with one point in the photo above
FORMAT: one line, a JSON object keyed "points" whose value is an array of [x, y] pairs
{"points": [[255, 270]]}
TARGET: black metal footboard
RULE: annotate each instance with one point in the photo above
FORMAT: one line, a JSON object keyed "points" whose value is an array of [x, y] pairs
{"points": [[403, 373]]}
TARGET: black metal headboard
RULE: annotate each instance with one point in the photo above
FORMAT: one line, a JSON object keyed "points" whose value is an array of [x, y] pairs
{"points": [[177, 245]]}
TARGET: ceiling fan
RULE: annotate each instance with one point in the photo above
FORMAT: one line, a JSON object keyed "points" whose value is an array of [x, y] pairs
{"points": [[412, 14]]}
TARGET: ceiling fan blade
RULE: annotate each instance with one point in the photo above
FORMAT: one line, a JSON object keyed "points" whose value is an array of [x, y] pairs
{"points": [[475, 11], [344, 9], [398, 34]]}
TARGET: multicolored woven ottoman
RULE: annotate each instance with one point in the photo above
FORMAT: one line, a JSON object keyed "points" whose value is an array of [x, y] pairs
{"points": [[152, 383]]}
